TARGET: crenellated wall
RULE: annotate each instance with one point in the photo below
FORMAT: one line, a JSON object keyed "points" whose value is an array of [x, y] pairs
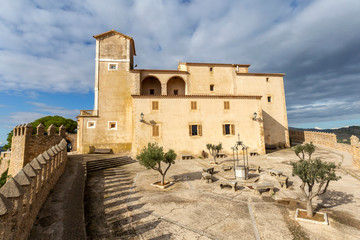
{"points": [[23, 195], [328, 140], [26, 146]]}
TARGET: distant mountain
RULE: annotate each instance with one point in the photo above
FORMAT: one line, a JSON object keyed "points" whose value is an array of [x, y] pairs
{"points": [[343, 134]]}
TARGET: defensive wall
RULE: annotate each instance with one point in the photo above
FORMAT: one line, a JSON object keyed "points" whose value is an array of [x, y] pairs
{"points": [[23, 195], [4, 161], [26, 146], [328, 140]]}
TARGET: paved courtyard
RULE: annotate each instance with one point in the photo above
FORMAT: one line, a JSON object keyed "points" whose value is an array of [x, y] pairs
{"points": [[121, 204]]}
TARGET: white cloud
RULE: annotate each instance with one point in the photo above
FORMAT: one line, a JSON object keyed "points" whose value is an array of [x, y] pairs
{"points": [[48, 46], [54, 110]]}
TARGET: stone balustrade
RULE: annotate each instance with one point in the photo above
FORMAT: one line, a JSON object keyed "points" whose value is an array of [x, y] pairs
{"points": [[23, 195]]}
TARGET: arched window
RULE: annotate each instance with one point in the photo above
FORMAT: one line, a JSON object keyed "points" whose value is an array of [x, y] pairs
{"points": [[150, 86], [176, 86]]}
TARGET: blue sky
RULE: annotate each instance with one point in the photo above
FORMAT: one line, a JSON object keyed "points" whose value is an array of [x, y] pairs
{"points": [[47, 50]]}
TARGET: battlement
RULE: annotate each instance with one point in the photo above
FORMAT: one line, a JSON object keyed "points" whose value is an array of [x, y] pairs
{"points": [[23, 195], [25, 145], [328, 140]]}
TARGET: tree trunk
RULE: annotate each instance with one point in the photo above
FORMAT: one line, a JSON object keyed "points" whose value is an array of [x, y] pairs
{"points": [[215, 159], [162, 179], [309, 207]]}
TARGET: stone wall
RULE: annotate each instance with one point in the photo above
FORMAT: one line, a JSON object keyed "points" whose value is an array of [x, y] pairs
{"points": [[26, 146], [328, 140], [72, 137], [4, 161], [23, 195], [355, 144]]}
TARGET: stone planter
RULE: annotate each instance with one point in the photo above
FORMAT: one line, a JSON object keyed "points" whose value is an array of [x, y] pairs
{"points": [[166, 185], [319, 217]]}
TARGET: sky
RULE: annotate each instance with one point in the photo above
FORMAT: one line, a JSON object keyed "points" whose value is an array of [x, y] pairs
{"points": [[47, 52]]}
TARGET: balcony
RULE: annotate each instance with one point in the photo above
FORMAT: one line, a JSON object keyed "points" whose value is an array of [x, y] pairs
{"points": [[88, 113]]}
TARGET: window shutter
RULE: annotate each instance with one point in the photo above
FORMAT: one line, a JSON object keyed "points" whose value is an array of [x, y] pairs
{"points": [[224, 131], [155, 105], [200, 130], [195, 105], [156, 130], [232, 129], [190, 130]]}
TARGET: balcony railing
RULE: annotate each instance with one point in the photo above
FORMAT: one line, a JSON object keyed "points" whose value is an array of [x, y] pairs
{"points": [[88, 113]]}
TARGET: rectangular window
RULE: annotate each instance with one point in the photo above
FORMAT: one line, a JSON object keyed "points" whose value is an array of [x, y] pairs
{"points": [[112, 66], [212, 87], [228, 129], [195, 130], [210, 69], [155, 131], [176, 92], [152, 91], [112, 125], [226, 105], [193, 105], [91, 124], [155, 105], [269, 99]]}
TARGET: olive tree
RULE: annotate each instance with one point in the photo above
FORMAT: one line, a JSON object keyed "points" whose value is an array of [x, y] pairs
{"points": [[153, 155], [214, 150], [314, 174]]}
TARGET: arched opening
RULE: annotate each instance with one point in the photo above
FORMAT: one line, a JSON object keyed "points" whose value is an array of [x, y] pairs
{"points": [[150, 86], [176, 86]]}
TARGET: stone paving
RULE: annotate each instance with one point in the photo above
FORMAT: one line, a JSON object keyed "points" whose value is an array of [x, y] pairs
{"points": [[121, 204]]}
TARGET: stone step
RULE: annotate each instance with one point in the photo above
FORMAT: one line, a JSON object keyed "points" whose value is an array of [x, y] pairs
{"points": [[103, 151], [101, 164]]}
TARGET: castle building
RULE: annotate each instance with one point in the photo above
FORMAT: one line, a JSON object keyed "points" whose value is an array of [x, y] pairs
{"points": [[182, 109]]}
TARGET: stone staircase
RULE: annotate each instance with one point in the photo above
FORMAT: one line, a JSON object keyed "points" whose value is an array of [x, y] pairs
{"points": [[96, 165]]}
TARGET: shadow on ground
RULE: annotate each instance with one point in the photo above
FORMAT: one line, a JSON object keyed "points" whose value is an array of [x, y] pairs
{"points": [[111, 206]]}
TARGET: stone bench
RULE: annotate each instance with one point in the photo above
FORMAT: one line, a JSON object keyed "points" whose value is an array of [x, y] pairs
{"points": [[263, 186], [221, 155], [274, 172], [253, 153], [226, 167], [185, 157], [208, 170], [256, 167], [232, 184], [283, 180], [207, 177], [103, 151]]}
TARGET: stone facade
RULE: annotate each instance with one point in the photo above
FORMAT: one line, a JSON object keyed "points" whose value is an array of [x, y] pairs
{"points": [[220, 102], [23, 195], [26, 146]]}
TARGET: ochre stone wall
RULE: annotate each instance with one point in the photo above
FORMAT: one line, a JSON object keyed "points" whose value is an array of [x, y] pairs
{"points": [[175, 115], [23, 195]]}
